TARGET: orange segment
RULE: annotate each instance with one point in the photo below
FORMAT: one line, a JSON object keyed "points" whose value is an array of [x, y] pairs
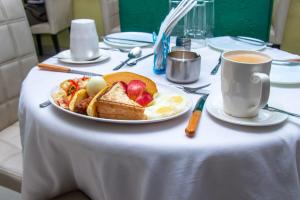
{"points": [[129, 76]]}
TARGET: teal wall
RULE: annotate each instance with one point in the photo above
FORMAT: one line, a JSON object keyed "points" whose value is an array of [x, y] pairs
{"points": [[232, 17]]}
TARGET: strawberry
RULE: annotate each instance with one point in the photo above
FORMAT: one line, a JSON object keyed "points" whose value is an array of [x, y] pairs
{"points": [[135, 88], [144, 99], [124, 85]]}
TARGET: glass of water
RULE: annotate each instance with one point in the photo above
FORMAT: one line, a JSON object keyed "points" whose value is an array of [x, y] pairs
{"points": [[198, 24], [179, 28]]}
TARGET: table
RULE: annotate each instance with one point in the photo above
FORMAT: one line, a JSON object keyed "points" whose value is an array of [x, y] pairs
{"points": [[155, 161]]}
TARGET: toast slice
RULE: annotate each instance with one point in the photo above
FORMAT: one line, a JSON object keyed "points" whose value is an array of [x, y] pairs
{"points": [[115, 104]]}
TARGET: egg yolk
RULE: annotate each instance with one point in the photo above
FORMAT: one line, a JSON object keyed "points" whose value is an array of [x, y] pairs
{"points": [[165, 109], [177, 99]]}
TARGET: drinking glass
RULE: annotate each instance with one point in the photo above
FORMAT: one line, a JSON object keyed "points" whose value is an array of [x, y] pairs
{"points": [[196, 21], [210, 18], [179, 28]]}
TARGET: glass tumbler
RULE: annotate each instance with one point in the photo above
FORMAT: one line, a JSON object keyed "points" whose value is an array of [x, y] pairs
{"points": [[195, 25], [179, 28], [210, 18]]}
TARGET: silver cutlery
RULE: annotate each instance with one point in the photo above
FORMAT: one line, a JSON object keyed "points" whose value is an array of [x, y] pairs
{"points": [[289, 62], [115, 49], [247, 40], [45, 104], [139, 59], [129, 40], [216, 68], [134, 53], [56, 68], [272, 109], [191, 89], [199, 92]]}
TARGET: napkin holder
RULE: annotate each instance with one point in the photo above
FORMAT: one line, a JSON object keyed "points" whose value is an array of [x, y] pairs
{"points": [[160, 55]]}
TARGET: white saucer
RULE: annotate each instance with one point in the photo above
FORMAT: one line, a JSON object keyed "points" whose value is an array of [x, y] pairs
{"points": [[227, 43], [214, 106], [285, 75], [65, 56]]}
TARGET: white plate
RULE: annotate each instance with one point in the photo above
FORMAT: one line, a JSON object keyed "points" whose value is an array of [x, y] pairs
{"points": [[226, 43], [165, 89], [285, 75], [65, 56], [214, 106], [129, 35]]}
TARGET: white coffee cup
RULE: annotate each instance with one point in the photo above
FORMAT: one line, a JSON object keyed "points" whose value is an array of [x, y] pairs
{"points": [[84, 40], [245, 82]]}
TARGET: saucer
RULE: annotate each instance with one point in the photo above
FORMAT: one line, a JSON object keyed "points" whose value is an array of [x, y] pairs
{"points": [[285, 74], [214, 106], [227, 43], [65, 56]]}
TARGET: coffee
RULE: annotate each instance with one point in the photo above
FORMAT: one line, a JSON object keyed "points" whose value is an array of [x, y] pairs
{"points": [[247, 58]]}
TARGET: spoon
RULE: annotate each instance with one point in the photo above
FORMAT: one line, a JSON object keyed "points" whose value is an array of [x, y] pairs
{"points": [[134, 53], [132, 63]]}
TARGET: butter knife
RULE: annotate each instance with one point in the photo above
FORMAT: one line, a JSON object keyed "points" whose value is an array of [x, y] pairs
{"points": [[56, 68], [194, 120], [126, 40]]}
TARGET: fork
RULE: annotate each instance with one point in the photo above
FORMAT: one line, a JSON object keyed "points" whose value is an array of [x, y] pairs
{"points": [[191, 89], [115, 49], [272, 109]]}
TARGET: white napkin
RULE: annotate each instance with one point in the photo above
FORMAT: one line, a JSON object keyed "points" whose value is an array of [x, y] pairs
{"points": [[173, 18]]}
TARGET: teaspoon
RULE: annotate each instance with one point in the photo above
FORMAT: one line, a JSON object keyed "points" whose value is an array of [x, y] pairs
{"points": [[134, 53]]}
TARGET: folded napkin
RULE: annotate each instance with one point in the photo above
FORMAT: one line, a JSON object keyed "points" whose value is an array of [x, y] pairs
{"points": [[174, 16]]}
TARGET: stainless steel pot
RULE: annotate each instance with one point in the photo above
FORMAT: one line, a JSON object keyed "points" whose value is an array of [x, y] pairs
{"points": [[183, 66]]}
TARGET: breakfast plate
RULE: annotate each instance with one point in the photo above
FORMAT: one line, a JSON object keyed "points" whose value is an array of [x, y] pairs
{"points": [[168, 100], [227, 43], [108, 39], [65, 56], [214, 106]]}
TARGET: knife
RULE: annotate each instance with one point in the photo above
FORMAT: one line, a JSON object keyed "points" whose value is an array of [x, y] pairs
{"points": [[248, 40], [194, 120], [128, 40], [56, 68]]}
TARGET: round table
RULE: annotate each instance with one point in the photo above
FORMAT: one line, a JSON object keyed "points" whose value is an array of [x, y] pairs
{"points": [[155, 161]]}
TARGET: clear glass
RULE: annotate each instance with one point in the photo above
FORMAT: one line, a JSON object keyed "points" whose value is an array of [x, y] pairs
{"points": [[198, 24], [179, 28], [210, 18], [196, 21]]}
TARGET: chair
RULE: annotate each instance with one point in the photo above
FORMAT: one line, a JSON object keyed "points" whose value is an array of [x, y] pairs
{"points": [[17, 57], [110, 13], [232, 17], [59, 13], [279, 18]]}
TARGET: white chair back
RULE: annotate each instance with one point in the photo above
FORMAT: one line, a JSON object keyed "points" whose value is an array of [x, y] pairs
{"points": [[59, 13], [279, 18], [17, 57], [110, 13]]}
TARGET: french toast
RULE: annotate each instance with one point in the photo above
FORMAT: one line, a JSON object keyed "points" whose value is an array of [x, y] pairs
{"points": [[115, 104]]}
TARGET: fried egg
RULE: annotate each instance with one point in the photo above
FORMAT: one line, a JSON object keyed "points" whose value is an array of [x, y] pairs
{"points": [[165, 106]]}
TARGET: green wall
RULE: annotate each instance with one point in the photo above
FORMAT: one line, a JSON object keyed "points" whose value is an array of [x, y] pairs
{"points": [[232, 17], [92, 9]]}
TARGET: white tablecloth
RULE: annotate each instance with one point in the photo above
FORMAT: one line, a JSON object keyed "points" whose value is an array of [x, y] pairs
{"points": [[156, 161]]}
